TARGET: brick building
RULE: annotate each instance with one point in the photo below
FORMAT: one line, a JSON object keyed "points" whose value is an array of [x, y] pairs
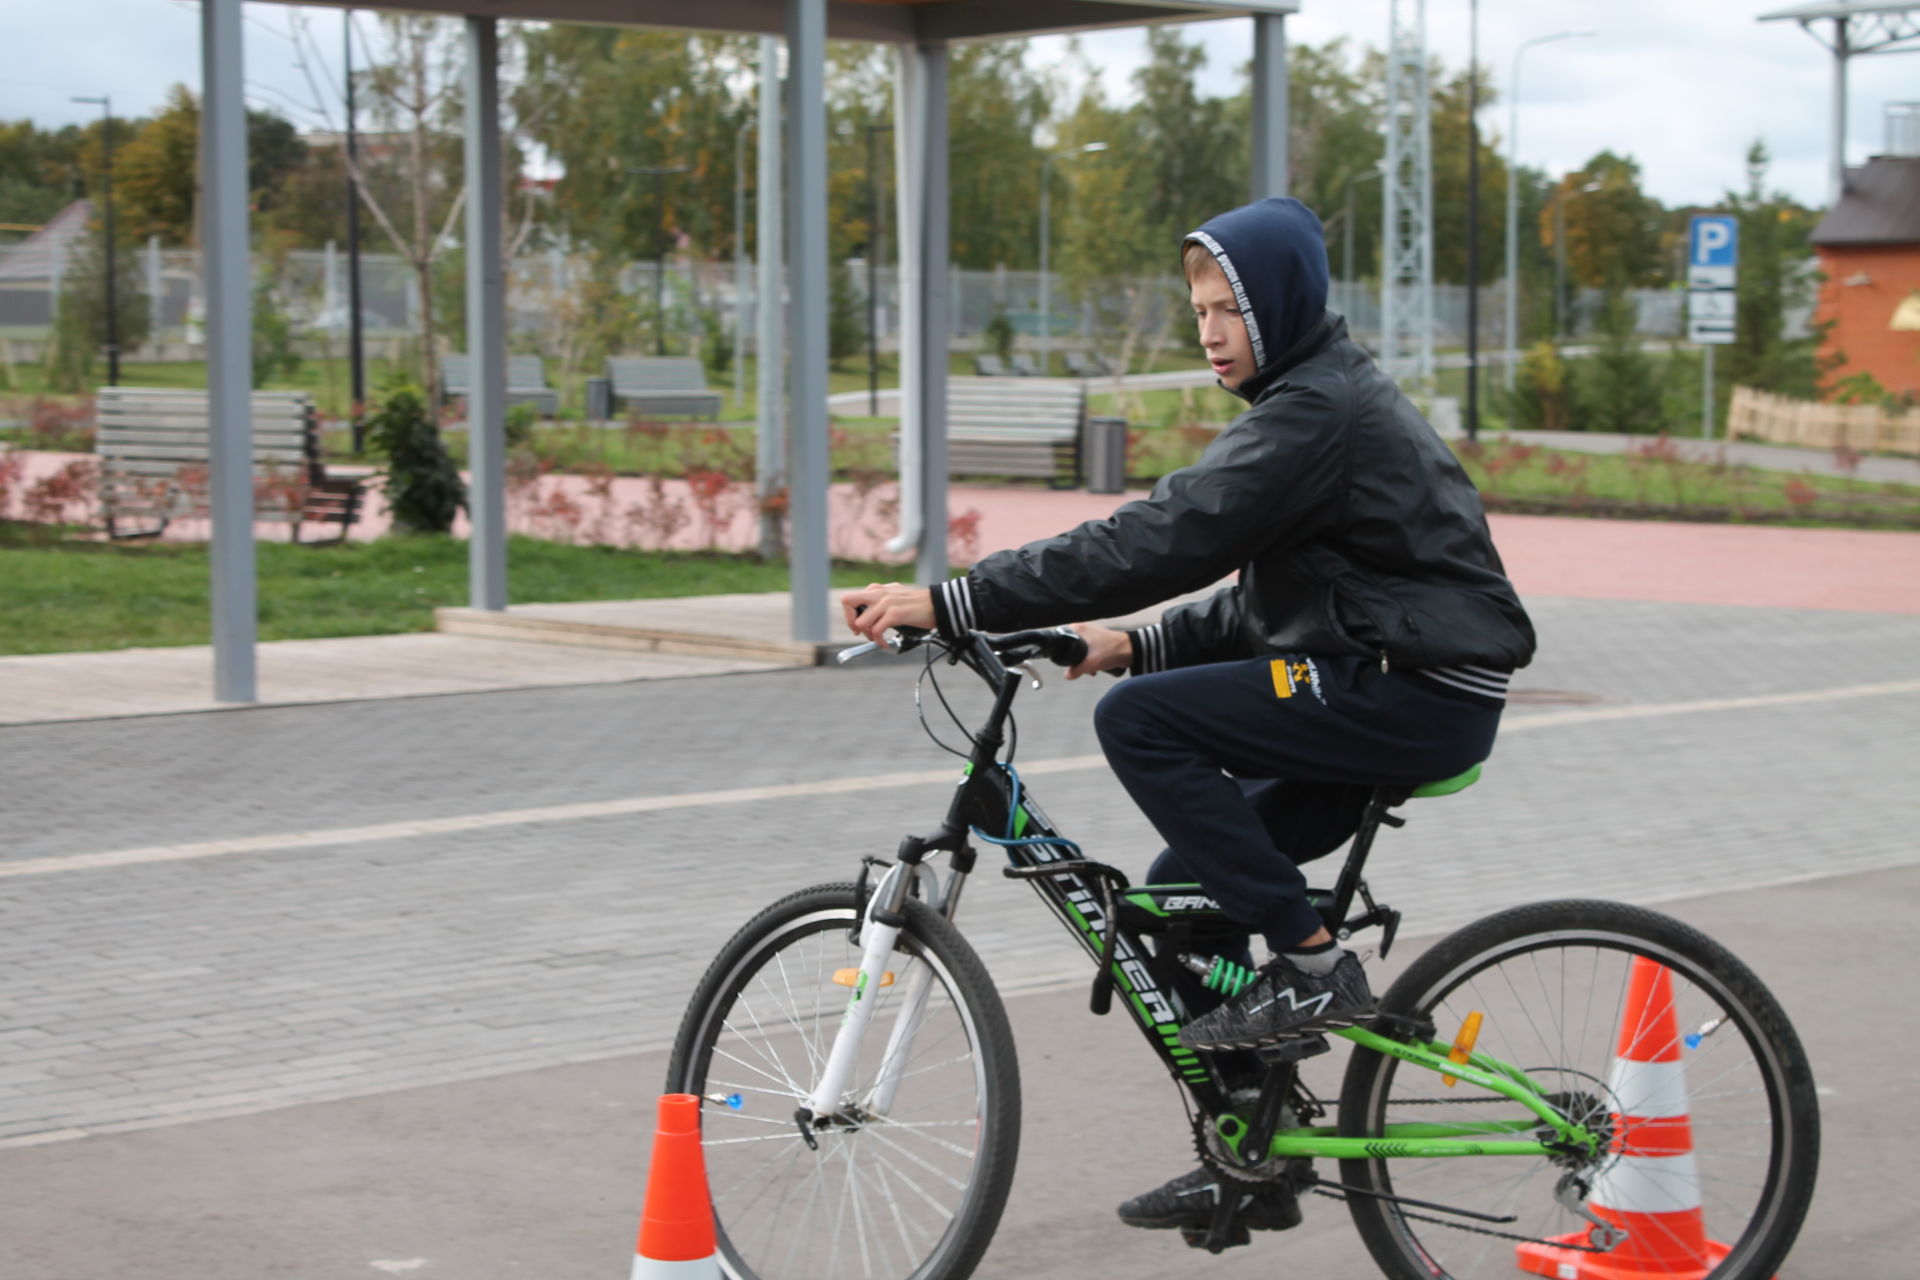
{"points": [[1869, 250]]}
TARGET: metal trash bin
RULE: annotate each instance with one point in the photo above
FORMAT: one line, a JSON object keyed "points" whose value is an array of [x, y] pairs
{"points": [[599, 399], [1105, 463]]}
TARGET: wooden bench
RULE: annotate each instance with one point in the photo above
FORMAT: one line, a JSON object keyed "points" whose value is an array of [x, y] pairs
{"points": [[664, 385], [526, 382], [154, 445], [1029, 428], [1081, 365]]}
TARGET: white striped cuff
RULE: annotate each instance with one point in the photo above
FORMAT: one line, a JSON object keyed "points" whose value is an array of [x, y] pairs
{"points": [[1486, 682], [957, 596], [1151, 651]]}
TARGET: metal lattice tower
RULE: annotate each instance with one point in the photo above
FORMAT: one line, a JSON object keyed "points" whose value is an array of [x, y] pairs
{"points": [[1406, 337]]}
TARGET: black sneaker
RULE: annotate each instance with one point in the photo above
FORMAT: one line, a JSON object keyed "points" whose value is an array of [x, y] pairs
{"points": [[1188, 1201], [1281, 1002]]}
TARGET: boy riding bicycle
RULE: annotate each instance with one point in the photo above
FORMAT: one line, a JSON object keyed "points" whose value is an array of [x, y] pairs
{"points": [[1368, 638]]}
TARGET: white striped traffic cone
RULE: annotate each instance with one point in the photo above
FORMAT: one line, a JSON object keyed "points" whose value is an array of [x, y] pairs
{"points": [[676, 1226], [1651, 1189]]}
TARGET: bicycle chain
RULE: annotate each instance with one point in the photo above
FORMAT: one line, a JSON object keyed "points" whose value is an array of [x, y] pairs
{"points": [[1201, 1128]]}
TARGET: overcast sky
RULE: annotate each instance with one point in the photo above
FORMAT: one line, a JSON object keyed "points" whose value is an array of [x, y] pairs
{"points": [[1682, 88]]}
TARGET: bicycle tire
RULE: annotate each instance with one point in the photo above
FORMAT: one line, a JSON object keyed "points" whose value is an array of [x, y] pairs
{"points": [[1550, 978], [767, 1184]]}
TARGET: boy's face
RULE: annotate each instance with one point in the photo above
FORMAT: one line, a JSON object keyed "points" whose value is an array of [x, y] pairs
{"points": [[1223, 333]]}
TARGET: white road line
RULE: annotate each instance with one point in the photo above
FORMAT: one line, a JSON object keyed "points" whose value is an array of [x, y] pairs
{"points": [[831, 786]]}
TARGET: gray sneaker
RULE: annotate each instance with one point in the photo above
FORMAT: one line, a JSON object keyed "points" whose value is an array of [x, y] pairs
{"points": [[1282, 1002], [1188, 1202]]}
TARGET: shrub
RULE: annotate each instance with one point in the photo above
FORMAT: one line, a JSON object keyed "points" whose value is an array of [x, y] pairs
{"points": [[424, 490]]}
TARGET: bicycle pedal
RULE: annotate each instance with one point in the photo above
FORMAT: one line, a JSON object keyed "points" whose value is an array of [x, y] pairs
{"points": [[1396, 1026], [1205, 1238], [1296, 1050]]}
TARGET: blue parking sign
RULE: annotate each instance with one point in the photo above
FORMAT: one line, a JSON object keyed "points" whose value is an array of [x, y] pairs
{"points": [[1713, 241]]}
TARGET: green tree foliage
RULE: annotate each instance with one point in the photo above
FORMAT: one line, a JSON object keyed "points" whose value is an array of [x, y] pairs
{"points": [[998, 107], [1450, 183], [846, 317], [1615, 232], [423, 487], [156, 172], [1775, 276], [80, 328], [1333, 143], [1620, 388], [40, 170]]}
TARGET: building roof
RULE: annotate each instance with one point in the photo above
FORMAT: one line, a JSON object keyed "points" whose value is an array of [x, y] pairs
{"points": [[33, 258], [890, 21], [1881, 205]]}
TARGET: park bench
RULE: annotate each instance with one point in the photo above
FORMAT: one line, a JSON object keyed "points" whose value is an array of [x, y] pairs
{"points": [[663, 385], [1022, 365], [154, 445], [1081, 365], [526, 382], [1030, 428], [990, 366]]}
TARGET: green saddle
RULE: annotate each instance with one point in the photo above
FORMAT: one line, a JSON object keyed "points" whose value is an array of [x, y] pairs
{"points": [[1447, 786]]}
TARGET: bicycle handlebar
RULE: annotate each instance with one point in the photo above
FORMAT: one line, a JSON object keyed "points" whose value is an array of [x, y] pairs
{"points": [[1061, 646]]}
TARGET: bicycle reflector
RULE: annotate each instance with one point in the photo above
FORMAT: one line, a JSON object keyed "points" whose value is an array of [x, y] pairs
{"points": [[851, 977], [1462, 1049]]}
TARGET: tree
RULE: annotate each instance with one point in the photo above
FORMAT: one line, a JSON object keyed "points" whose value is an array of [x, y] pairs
{"points": [[1613, 232], [40, 171], [1450, 134], [997, 108], [156, 174], [1775, 276], [80, 327]]}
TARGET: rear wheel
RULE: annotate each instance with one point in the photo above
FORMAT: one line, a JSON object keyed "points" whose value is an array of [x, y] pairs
{"points": [[909, 1185], [1713, 1110]]}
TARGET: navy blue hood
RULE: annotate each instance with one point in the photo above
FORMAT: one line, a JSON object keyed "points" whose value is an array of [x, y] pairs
{"points": [[1274, 254]]}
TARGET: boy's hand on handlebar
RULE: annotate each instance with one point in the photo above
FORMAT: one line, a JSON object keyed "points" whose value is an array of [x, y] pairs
{"points": [[874, 608], [1107, 649]]}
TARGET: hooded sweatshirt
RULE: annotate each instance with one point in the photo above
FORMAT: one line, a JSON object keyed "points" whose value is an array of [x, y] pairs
{"points": [[1274, 255]]}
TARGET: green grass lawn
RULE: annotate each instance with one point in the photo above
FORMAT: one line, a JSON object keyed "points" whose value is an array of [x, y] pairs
{"points": [[66, 596]]}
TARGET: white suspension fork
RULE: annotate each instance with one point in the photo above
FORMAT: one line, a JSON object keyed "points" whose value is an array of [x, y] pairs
{"points": [[911, 1013], [876, 951]]}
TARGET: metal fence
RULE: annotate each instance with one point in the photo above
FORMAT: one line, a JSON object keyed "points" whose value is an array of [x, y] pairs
{"points": [[698, 295]]}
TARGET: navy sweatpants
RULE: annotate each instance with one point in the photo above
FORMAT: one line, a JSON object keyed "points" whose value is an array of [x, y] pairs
{"points": [[1249, 768]]}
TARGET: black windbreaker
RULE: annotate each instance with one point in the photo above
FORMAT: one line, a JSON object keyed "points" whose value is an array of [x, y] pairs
{"points": [[1353, 528]]}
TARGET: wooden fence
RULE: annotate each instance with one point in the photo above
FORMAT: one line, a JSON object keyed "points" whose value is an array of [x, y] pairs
{"points": [[1863, 427]]}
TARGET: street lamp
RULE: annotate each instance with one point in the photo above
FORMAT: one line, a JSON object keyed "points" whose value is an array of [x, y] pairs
{"points": [[1046, 169], [1513, 189], [873, 260], [658, 172], [1560, 254], [106, 190]]}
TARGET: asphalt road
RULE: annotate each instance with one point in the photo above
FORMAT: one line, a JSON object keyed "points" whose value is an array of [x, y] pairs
{"points": [[380, 988]]}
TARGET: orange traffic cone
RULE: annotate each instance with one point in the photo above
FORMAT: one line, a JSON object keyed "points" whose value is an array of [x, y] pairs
{"points": [[1651, 1189], [676, 1226]]}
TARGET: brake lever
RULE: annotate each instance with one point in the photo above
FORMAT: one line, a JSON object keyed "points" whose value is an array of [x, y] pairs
{"points": [[1032, 675]]}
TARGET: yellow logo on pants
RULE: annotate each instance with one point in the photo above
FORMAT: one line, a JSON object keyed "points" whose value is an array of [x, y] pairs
{"points": [[1290, 673]]}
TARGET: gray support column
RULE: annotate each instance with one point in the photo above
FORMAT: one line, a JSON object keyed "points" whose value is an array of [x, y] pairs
{"points": [[1269, 105], [770, 294], [930, 300], [807, 368], [156, 291], [224, 241], [908, 147], [1838, 181], [486, 324]]}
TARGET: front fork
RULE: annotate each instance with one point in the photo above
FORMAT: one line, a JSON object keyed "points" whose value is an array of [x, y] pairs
{"points": [[880, 935]]}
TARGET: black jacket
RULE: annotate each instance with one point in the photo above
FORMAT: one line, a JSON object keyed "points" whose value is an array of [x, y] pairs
{"points": [[1352, 526]]}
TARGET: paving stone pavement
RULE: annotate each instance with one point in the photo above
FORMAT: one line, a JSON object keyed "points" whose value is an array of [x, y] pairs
{"points": [[217, 983]]}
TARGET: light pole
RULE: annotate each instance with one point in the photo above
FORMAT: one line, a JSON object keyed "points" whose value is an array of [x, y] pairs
{"points": [[1347, 252], [1473, 220], [739, 267], [106, 191], [873, 279], [1046, 171], [356, 355], [658, 172], [1560, 254], [1513, 191]]}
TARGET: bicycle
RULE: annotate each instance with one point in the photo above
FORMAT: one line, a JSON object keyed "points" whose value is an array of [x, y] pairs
{"points": [[834, 1151]]}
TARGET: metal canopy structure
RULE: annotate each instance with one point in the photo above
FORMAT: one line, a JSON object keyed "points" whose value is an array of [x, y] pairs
{"points": [[921, 30], [1859, 29]]}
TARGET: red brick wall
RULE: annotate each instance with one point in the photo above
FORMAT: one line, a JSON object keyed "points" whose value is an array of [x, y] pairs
{"points": [[1864, 311]]}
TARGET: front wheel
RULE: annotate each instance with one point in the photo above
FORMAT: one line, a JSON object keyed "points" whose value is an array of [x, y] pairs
{"points": [[909, 1179], [1640, 1027]]}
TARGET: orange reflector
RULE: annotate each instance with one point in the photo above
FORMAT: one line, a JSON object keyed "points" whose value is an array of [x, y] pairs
{"points": [[850, 977], [1462, 1050]]}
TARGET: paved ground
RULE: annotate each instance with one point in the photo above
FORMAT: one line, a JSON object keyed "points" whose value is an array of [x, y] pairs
{"points": [[500, 902]]}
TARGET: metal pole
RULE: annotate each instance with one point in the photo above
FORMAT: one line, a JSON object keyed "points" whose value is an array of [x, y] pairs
{"points": [[113, 291], [223, 214], [807, 372], [1046, 174], [1513, 199], [1559, 265], [739, 268], [1838, 181], [1706, 402], [486, 323], [770, 296], [356, 354], [1269, 169], [873, 293], [934, 293], [1473, 220]]}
